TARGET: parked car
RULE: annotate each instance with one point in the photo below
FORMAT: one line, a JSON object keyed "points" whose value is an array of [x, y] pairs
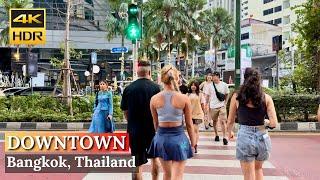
{"points": [[38, 90], [8, 91]]}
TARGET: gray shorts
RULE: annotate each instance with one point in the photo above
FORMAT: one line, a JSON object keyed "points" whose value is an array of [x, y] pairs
{"points": [[253, 143]]}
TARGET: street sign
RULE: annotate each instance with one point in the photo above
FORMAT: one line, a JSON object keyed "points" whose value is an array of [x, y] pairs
{"points": [[93, 58], [119, 50]]}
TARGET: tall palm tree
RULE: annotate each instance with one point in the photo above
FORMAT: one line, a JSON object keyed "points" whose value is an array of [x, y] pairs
{"points": [[220, 27], [165, 17], [4, 38], [115, 24]]}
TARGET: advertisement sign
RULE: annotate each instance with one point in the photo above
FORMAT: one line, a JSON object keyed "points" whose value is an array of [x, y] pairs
{"points": [[27, 26]]}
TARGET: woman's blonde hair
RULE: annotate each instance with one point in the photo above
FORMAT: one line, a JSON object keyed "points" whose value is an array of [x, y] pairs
{"points": [[168, 76]]}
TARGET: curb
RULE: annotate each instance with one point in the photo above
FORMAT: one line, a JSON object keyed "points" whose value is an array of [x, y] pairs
{"points": [[83, 126], [47, 126]]}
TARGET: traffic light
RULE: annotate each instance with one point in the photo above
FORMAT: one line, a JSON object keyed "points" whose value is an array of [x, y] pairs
{"points": [[133, 30]]}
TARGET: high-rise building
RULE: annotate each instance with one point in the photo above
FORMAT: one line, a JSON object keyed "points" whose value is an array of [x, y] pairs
{"points": [[276, 12], [229, 5]]}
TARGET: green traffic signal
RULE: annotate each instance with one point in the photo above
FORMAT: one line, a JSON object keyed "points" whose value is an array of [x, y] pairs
{"points": [[133, 10], [133, 31]]}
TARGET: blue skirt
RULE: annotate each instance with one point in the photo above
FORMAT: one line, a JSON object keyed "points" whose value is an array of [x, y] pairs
{"points": [[171, 144], [100, 123]]}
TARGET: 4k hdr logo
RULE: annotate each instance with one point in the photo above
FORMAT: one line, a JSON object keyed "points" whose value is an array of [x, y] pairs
{"points": [[27, 26]]}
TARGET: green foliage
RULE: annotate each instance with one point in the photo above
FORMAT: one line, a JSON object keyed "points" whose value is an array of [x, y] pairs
{"points": [[307, 73], [38, 108]]}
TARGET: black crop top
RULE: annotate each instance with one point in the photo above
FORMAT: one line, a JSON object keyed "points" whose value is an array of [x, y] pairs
{"points": [[251, 116]]}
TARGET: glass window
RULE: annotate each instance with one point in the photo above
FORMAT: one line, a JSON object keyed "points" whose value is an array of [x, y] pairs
{"points": [[278, 21], [286, 4], [286, 20], [88, 14], [278, 8], [267, 1], [244, 36], [268, 11], [270, 22]]}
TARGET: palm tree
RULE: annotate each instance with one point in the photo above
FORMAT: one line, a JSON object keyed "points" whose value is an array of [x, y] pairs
{"points": [[115, 24], [4, 38], [219, 24], [165, 17]]}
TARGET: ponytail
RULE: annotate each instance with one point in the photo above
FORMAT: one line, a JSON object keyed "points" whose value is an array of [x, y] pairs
{"points": [[172, 81]]}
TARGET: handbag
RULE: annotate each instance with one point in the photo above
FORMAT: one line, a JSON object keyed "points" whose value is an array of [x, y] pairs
{"points": [[220, 96]]}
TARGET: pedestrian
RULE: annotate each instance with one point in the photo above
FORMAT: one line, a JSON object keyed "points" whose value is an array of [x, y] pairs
{"points": [[136, 106], [203, 86], [216, 93], [170, 143], [251, 105], [103, 110], [319, 110], [197, 112]]}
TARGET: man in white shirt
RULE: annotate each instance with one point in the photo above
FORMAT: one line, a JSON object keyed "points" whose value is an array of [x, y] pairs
{"points": [[218, 107]]}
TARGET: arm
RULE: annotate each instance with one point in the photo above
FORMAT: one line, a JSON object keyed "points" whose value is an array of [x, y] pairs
{"points": [[154, 114], [111, 104], [271, 111], [232, 114], [124, 104], [188, 120]]}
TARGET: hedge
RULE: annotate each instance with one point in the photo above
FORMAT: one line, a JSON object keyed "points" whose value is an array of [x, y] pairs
{"points": [[38, 108]]}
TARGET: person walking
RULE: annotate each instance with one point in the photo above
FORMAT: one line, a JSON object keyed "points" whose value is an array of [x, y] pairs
{"points": [[252, 105], [217, 93], [203, 87], [197, 113], [136, 106], [103, 110], [170, 143]]}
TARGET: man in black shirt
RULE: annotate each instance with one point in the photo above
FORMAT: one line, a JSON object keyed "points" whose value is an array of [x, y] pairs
{"points": [[136, 106]]}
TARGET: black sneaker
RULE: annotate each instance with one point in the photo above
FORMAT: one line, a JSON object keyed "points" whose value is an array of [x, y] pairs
{"points": [[211, 125], [196, 149], [217, 138], [206, 127], [225, 141]]}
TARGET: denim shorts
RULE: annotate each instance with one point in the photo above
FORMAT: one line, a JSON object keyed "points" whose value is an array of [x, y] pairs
{"points": [[253, 143]]}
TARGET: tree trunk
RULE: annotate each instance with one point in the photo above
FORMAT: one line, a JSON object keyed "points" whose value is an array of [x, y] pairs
{"points": [[187, 56], [318, 70], [66, 74], [215, 58]]}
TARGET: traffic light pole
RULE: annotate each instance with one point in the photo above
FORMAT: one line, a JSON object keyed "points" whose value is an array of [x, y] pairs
{"points": [[237, 47]]}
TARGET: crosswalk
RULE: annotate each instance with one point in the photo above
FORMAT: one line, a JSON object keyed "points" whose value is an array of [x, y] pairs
{"points": [[213, 161]]}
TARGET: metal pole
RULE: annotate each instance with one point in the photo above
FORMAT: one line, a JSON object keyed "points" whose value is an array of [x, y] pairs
{"points": [[92, 83], [193, 61], [277, 63], [237, 46]]}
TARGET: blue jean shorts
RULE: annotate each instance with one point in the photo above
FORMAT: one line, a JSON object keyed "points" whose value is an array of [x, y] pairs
{"points": [[253, 143]]}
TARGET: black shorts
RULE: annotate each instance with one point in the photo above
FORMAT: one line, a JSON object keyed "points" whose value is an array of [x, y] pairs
{"points": [[197, 121], [140, 144]]}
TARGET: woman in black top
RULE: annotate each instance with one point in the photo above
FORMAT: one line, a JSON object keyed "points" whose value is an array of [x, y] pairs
{"points": [[251, 105]]}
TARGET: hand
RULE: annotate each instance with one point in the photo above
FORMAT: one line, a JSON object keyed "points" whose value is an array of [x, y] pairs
{"points": [[231, 136], [109, 117]]}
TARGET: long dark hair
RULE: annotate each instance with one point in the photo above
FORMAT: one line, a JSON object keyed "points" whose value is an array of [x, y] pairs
{"points": [[97, 93], [251, 89], [195, 83]]}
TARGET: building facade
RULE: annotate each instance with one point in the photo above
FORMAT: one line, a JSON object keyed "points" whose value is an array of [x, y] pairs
{"points": [[276, 12], [87, 34]]}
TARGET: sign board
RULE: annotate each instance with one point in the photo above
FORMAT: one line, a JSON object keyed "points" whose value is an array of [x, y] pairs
{"points": [[94, 58], [27, 26], [119, 50], [38, 81]]}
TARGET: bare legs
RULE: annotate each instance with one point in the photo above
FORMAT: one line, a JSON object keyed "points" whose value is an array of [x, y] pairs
{"points": [[252, 170], [154, 171], [173, 169]]}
